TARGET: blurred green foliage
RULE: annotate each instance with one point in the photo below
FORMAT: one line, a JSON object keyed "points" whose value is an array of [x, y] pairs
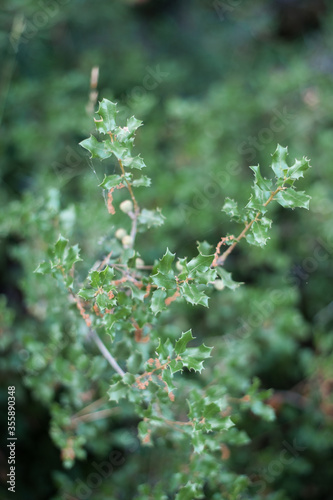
{"points": [[217, 90]]}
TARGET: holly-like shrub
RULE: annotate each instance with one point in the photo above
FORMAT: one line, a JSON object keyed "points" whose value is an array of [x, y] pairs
{"points": [[117, 350]]}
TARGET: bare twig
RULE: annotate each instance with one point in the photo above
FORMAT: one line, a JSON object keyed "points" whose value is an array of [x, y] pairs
{"points": [[107, 355], [97, 415], [90, 407]]}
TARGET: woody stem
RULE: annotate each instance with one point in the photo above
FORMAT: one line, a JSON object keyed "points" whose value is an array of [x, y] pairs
{"points": [[220, 261]]}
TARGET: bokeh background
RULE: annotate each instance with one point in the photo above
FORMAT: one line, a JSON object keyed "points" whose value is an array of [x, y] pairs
{"points": [[218, 84]]}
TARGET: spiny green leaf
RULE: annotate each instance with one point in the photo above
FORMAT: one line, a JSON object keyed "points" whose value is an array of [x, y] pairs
{"points": [[297, 170], [59, 247], [193, 295], [165, 264], [111, 181], [164, 350], [158, 301], [262, 183], [227, 279], [101, 278], [103, 301], [205, 277], [96, 148], [73, 255], [190, 491], [194, 357], [259, 232], [136, 162], [163, 281], [230, 207], [205, 248], [167, 376], [120, 152], [43, 268], [293, 199], [151, 218], [200, 264], [258, 199], [143, 433], [181, 344], [133, 124], [87, 293], [142, 181], [199, 440], [107, 111], [279, 163], [118, 391]]}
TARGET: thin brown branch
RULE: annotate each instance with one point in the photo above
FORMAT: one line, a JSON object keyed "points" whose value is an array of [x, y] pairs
{"points": [[221, 260]]}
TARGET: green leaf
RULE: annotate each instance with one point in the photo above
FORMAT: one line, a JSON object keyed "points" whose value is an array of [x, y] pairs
{"points": [[261, 182], [96, 148], [227, 279], [200, 264], [118, 391], [164, 350], [72, 257], [168, 378], [111, 181], [293, 199], [59, 247], [206, 277], [205, 248], [193, 295], [142, 181], [181, 344], [198, 441], [133, 124], [144, 433], [297, 170], [86, 293], [190, 491], [259, 232], [194, 357], [158, 301], [101, 278], [103, 301], [120, 152], [151, 218], [107, 111], [279, 163], [257, 200], [122, 387], [43, 268], [136, 162], [230, 207], [165, 264], [163, 281]]}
